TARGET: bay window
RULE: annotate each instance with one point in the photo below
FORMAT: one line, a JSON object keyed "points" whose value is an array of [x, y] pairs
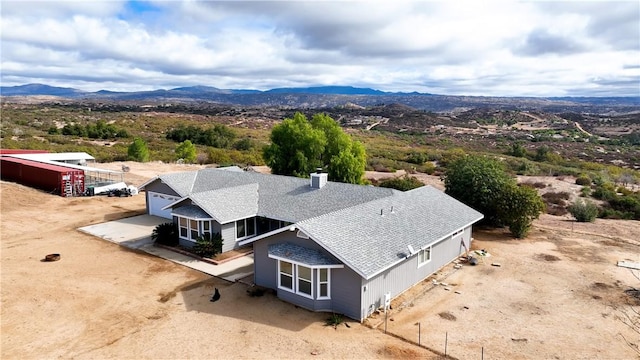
{"points": [[302, 280], [191, 229]]}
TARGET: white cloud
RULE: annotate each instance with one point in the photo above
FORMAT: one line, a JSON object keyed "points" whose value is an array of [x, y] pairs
{"points": [[481, 48]]}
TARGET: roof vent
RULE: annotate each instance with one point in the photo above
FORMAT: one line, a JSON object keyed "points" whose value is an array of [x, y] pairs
{"points": [[319, 179]]}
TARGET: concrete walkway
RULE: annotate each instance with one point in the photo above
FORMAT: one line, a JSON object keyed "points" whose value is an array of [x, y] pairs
{"points": [[135, 233]]}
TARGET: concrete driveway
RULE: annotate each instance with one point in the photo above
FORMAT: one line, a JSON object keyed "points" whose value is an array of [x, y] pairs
{"points": [[135, 233]]}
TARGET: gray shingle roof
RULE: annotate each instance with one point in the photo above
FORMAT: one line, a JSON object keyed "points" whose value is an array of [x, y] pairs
{"points": [[279, 197], [344, 219], [300, 254], [240, 202], [370, 243], [191, 211]]}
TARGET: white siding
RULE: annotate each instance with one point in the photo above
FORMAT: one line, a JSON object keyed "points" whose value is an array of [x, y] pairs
{"points": [[407, 273]]}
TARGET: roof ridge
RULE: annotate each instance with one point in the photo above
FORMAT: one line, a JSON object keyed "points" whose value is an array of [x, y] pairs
{"points": [[391, 194]]}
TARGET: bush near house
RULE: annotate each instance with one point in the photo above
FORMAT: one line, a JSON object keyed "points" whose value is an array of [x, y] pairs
{"points": [[208, 245], [165, 234]]}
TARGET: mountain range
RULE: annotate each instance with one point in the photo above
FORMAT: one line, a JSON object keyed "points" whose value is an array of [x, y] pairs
{"points": [[331, 96]]}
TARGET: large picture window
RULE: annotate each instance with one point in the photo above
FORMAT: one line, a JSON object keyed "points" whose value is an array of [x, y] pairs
{"points": [[302, 280], [245, 228]]}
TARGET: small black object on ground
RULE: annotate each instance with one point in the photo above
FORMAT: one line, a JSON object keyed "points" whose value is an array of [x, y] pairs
{"points": [[216, 296], [51, 257]]}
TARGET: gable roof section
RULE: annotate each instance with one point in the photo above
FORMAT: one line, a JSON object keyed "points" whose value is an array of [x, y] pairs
{"points": [[283, 198], [237, 202], [370, 243]]}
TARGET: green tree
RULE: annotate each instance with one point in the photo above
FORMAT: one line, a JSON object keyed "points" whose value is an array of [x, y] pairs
{"points": [[296, 147], [518, 206], [478, 182], [138, 150], [299, 146], [344, 157], [186, 151]]}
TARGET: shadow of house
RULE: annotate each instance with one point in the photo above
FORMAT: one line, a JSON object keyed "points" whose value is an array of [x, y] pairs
{"points": [[235, 303]]}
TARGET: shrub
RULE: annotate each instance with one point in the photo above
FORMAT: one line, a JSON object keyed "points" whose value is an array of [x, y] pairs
{"points": [[557, 198], [585, 191], [427, 168], [605, 192], [584, 211], [417, 158], [402, 183], [608, 213], [165, 234], [583, 180], [243, 144], [334, 320], [208, 245], [537, 184]]}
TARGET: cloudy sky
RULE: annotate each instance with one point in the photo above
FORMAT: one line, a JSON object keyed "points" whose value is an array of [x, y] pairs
{"points": [[503, 48]]}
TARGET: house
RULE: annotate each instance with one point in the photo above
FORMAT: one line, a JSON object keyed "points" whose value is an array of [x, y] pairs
{"points": [[321, 245]]}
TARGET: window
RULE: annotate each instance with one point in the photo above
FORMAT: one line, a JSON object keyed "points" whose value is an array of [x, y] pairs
{"points": [[193, 224], [304, 280], [286, 275], [424, 256], [264, 225], [184, 227], [191, 229], [206, 228], [300, 279], [323, 283], [245, 228]]}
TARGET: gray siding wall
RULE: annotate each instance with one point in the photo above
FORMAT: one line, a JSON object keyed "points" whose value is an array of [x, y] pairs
{"points": [[407, 273], [345, 283], [228, 232], [346, 292], [159, 187]]}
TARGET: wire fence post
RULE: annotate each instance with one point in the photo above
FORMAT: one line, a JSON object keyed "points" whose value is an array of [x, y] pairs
{"points": [[419, 334], [483, 353], [446, 339], [385, 321]]}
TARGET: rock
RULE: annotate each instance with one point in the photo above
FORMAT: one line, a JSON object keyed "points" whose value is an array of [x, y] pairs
{"points": [[496, 264], [458, 292], [447, 289]]}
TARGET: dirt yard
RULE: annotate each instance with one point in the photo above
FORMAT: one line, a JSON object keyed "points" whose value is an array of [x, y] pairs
{"points": [[557, 294]]}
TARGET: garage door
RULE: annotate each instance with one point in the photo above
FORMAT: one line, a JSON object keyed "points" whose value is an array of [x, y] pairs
{"points": [[157, 201]]}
